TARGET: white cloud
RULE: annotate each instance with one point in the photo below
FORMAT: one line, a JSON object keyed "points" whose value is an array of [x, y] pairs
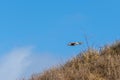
{"points": [[14, 63], [23, 62]]}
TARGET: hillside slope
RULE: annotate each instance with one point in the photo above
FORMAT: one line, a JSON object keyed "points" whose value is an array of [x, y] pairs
{"points": [[88, 65]]}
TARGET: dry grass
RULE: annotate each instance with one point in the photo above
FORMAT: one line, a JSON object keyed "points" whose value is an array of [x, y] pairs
{"points": [[89, 65]]}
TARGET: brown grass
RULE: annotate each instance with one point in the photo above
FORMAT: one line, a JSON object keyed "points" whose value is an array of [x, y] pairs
{"points": [[89, 65]]}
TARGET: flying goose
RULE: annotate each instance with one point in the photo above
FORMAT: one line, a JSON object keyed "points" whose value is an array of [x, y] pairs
{"points": [[74, 43]]}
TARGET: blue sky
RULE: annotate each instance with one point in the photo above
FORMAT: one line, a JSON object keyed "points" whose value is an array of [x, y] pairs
{"points": [[42, 29]]}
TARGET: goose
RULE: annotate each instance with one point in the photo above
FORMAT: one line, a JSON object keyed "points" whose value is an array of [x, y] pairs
{"points": [[74, 43]]}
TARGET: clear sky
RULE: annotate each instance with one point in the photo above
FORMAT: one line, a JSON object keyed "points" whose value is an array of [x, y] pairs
{"points": [[34, 33]]}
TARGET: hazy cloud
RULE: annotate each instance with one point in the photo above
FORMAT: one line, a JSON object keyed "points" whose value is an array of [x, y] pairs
{"points": [[23, 62], [14, 63]]}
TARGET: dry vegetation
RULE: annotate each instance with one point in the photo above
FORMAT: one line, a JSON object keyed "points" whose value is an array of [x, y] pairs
{"points": [[103, 64]]}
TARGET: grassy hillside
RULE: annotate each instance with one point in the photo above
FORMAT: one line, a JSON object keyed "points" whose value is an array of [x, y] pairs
{"points": [[88, 65]]}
